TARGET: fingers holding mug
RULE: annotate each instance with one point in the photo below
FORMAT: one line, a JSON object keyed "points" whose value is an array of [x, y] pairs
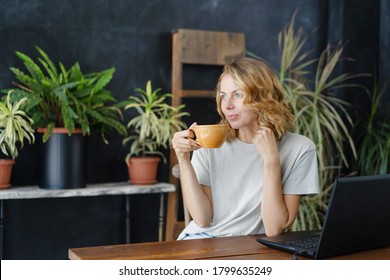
{"points": [[183, 141]]}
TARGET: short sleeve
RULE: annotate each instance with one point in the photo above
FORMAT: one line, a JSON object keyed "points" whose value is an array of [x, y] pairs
{"points": [[201, 166], [303, 176]]}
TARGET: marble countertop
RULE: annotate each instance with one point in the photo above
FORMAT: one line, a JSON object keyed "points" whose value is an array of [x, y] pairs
{"points": [[117, 188]]}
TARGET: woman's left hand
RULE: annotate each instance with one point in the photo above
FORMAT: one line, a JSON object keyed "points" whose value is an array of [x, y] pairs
{"points": [[265, 142]]}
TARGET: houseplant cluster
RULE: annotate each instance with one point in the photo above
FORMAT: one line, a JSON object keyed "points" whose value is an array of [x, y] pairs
{"points": [[65, 105]]}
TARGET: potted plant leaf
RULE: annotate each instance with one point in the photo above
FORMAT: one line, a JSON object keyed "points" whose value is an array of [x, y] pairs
{"points": [[15, 128], [151, 129], [66, 105]]}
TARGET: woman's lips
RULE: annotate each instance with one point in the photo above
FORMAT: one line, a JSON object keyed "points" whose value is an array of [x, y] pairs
{"points": [[232, 117]]}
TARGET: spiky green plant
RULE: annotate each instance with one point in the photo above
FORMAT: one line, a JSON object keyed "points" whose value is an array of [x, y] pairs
{"points": [[374, 142], [319, 114], [15, 126], [66, 98], [155, 123]]}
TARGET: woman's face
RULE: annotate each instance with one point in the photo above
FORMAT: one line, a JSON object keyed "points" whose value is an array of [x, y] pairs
{"points": [[232, 105]]}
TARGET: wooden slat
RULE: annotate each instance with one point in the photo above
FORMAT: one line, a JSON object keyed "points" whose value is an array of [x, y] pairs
{"points": [[177, 71], [197, 93], [172, 203], [210, 47]]}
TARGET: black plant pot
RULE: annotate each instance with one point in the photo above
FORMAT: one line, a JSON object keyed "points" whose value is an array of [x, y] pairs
{"points": [[64, 161]]}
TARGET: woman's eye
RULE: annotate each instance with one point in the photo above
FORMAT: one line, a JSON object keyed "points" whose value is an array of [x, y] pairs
{"points": [[239, 95], [223, 96]]}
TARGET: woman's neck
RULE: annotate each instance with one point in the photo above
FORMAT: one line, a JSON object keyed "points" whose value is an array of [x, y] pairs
{"points": [[246, 134]]}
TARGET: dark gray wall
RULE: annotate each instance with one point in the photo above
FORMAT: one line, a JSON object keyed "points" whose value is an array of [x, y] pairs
{"points": [[384, 51], [134, 36]]}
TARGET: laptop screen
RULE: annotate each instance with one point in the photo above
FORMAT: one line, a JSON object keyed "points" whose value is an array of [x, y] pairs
{"points": [[358, 216]]}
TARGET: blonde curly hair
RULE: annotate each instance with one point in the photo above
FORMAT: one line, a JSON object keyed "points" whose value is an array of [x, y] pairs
{"points": [[263, 95]]}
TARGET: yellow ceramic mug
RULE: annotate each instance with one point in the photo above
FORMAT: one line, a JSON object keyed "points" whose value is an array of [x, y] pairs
{"points": [[211, 135]]}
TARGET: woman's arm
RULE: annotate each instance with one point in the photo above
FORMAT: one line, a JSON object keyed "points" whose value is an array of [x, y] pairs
{"points": [[278, 211], [197, 198]]}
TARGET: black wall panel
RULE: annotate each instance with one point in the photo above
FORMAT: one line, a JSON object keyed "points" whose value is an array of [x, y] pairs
{"points": [[134, 36]]}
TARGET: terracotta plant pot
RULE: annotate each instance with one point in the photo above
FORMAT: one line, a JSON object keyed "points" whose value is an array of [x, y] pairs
{"points": [[143, 170], [5, 172]]}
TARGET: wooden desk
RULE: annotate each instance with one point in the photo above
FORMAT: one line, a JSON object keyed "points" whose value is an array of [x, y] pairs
{"points": [[104, 189], [234, 248]]}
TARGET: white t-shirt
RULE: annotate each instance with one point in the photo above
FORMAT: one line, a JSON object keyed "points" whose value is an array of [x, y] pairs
{"points": [[235, 174]]}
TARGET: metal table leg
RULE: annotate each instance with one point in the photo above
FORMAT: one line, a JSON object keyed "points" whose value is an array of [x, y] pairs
{"points": [[161, 218], [128, 220], [2, 225]]}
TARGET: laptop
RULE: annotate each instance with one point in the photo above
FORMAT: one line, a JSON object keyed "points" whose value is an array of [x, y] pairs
{"points": [[358, 218]]}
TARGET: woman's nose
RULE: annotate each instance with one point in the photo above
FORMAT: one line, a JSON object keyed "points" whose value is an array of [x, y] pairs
{"points": [[229, 104]]}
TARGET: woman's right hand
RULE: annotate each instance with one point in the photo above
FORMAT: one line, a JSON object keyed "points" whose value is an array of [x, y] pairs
{"points": [[183, 145]]}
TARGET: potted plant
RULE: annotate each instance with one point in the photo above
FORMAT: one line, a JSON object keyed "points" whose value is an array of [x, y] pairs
{"points": [[15, 128], [66, 105], [151, 129]]}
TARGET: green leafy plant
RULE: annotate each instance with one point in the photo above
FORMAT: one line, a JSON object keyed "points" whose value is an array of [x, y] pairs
{"points": [[374, 141], [15, 126], [67, 98], [155, 123], [320, 115]]}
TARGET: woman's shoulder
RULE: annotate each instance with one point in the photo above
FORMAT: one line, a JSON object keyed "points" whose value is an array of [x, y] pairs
{"points": [[297, 140]]}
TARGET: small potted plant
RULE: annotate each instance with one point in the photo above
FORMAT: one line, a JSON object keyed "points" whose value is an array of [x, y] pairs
{"points": [[66, 105], [151, 129], [15, 128]]}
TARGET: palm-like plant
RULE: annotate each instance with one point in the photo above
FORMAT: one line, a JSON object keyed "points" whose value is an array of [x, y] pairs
{"points": [[15, 126], [66, 98], [374, 142], [155, 123], [320, 115]]}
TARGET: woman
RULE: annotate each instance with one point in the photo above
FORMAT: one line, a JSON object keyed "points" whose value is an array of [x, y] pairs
{"points": [[255, 181]]}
